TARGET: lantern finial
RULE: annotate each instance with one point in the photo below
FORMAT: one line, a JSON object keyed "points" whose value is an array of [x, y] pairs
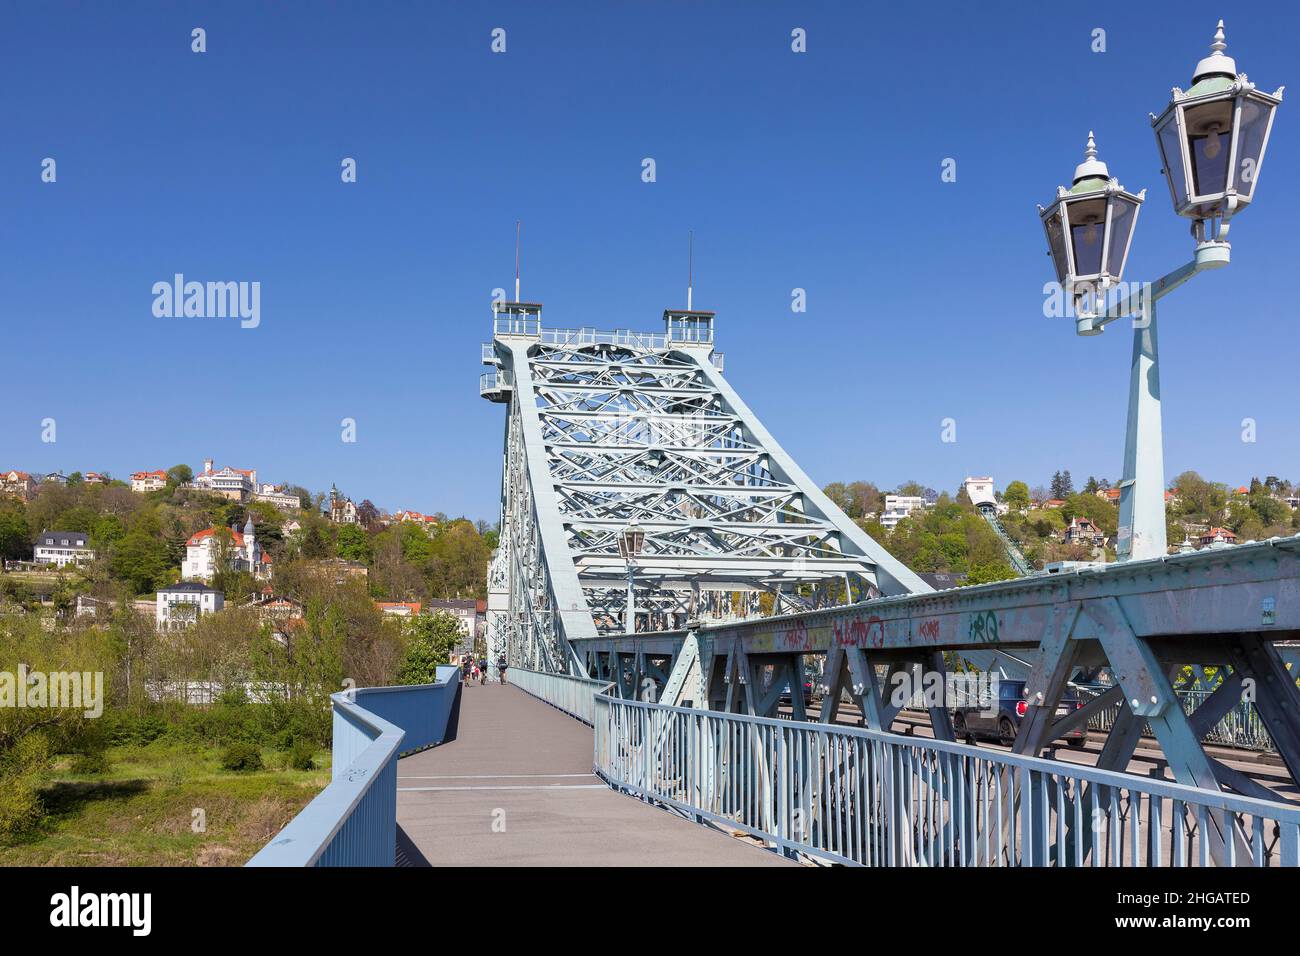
{"points": [[1218, 46], [1091, 167], [1217, 63]]}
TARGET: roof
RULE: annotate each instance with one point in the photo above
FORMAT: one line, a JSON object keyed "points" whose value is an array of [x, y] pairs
{"points": [[17, 475], [198, 537], [189, 587], [50, 538], [149, 474], [464, 605], [413, 606], [1215, 532]]}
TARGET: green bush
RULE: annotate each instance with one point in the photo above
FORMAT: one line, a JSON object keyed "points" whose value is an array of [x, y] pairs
{"points": [[241, 757], [125, 727], [93, 764], [22, 770], [301, 754]]}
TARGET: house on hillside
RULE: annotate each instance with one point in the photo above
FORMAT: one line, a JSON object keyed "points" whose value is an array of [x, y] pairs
{"points": [[17, 484], [246, 554], [1217, 536], [399, 608], [180, 605], [236, 484], [143, 482], [342, 510], [1083, 531], [62, 548], [898, 507], [277, 495]]}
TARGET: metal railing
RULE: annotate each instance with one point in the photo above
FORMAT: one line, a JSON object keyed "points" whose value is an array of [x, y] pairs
{"points": [[353, 821], [573, 695], [1240, 727], [856, 796], [495, 381]]}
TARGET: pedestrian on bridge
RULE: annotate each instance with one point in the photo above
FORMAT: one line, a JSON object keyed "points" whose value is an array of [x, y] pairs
{"points": [[501, 667]]}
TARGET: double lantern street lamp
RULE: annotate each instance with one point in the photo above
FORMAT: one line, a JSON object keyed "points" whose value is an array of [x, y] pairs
{"points": [[1212, 140], [630, 542]]}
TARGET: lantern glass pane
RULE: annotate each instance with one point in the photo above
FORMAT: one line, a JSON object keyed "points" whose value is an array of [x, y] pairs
{"points": [[1172, 156], [1087, 226], [1123, 213], [1056, 243], [1250, 143], [1209, 140]]}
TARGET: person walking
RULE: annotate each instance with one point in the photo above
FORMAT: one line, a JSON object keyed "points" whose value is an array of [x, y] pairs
{"points": [[502, 665], [482, 671]]}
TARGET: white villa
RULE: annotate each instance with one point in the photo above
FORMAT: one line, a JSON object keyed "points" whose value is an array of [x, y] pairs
{"points": [[245, 554], [237, 484], [183, 604], [62, 548]]}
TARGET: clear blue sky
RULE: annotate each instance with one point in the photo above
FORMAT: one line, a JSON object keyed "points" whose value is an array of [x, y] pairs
{"points": [[819, 171]]}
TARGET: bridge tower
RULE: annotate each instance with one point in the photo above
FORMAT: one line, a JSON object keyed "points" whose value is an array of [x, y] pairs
{"points": [[609, 431]]}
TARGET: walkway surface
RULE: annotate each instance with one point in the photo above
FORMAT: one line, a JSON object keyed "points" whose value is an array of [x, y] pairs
{"points": [[516, 789]]}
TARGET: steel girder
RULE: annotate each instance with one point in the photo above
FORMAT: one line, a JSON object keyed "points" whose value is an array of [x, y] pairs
{"points": [[605, 429]]}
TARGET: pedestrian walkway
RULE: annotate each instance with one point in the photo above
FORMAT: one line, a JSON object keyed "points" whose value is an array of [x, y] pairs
{"points": [[515, 788]]}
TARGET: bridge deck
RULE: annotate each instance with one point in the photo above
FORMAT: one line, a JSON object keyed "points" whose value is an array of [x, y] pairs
{"points": [[523, 761]]}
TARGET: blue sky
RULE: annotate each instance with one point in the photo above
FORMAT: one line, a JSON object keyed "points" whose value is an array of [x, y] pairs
{"points": [[818, 170]]}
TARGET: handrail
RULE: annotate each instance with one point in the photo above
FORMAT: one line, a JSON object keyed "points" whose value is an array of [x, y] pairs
{"points": [[353, 821], [863, 797], [573, 695]]}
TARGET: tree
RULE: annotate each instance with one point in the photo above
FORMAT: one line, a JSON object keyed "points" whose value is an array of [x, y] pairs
{"points": [[140, 559], [368, 515], [179, 475], [15, 536], [1062, 485], [1091, 487], [431, 640], [1016, 496], [353, 543], [1202, 498]]}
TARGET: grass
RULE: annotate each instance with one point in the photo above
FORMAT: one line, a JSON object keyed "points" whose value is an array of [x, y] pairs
{"points": [[141, 809]]}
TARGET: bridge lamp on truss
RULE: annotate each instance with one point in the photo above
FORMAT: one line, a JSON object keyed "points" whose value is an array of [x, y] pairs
{"points": [[1212, 140], [1089, 230], [630, 542]]}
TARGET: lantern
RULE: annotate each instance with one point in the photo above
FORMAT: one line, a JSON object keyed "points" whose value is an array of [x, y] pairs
{"points": [[1089, 229], [1212, 140]]}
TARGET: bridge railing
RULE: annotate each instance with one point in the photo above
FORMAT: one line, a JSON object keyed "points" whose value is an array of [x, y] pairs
{"points": [[573, 695], [856, 796], [353, 821]]}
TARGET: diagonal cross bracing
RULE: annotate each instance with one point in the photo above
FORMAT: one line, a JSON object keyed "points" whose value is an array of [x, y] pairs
{"points": [[607, 429]]}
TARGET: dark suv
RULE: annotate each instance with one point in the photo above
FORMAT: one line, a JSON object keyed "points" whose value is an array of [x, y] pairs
{"points": [[1003, 722]]}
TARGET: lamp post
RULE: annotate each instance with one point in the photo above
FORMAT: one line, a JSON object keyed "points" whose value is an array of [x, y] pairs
{"points": [[630, 542], [1212, 140]]}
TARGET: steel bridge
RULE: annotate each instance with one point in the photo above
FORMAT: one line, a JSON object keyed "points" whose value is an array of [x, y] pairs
{"points": [[744, 572]]}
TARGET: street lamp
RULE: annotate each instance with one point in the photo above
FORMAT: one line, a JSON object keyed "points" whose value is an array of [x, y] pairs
{"points": [[1212, 139], [630, 542], [1089, 230]]}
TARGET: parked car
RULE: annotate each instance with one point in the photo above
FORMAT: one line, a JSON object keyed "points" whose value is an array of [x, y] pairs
{"points": [[1001, 721], [810, 695]]}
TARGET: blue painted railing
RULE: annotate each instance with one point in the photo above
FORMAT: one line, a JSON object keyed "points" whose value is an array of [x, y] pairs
{"points": [[857, 796], [353, 821], [573, 695]]}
